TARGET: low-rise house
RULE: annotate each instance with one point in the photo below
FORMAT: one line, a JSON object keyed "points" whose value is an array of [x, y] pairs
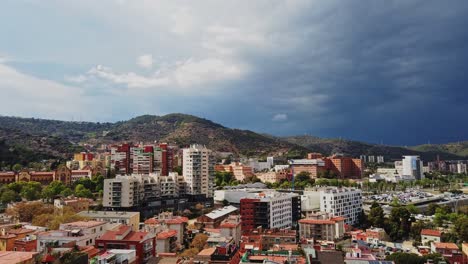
{"points": [[26, 244], [8, 238], [231, 227], [12, 257], [63, 238], [322, 226], [166, 241], [117, 256], [214, 218], [430, 235], [124, 238], [77, 204], [126, 218], [265, 239], [449, 251]]}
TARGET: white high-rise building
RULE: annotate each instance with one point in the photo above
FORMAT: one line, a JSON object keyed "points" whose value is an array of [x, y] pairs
{"points": [[345, 202], [412, 166], [198, 170]]}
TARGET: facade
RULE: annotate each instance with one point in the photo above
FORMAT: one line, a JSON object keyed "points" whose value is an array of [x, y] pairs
{"points": [[123, 237], [77, 204], [344, 167], [198, 170], [142, 159], [231, 227], [345, 202], [430, 235], [63, 238], [7, 239], [122, 191], [322, 226], [214, 218], [312, 166], [270, 210], [166, 241], [266, 239], [412, 166], [449, 251], [127, 218], [272, 176]]}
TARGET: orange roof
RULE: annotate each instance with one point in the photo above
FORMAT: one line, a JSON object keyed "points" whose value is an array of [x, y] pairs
{"points": [[167, 234], [213, 230], [131, 236], [151, 221], [177, 220], [316, 222], [446, 245], [20, 231], [207, 252], [229, 225], [337, 218], [431, 232]]}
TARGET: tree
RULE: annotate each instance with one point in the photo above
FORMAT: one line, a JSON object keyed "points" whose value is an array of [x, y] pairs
{"points": [[405, 258], [399, 223], [81, 191], [25, 211], [376, 215], [17, 167], [31, 191], [9, 196], [460, 227], [199, 241], [53, 189], [53, 221], [412, 209]]}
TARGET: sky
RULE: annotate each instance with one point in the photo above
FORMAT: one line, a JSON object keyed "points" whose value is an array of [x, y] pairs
{"points": [[381, 71]]}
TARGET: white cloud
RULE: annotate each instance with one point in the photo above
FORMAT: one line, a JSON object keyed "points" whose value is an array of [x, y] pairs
{"points": [[182, 21], [183, 74], [76, 79], [280, 117], [145, 61], [24, 95]]}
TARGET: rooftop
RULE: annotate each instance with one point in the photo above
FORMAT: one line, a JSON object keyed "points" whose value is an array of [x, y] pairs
{"points": [[167, 234], [8, 257], [83, 224], [207, 251], [446, 245], [104, 214], [431, 232], [129, 235], [221, 212]]}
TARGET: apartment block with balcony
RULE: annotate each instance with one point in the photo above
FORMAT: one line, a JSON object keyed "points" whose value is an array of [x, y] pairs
{"points": [[345, 202], [198, 170], [322, 226]]}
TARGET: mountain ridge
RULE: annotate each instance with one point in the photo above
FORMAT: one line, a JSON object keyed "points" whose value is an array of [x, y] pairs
{"points": [[55, 138]]}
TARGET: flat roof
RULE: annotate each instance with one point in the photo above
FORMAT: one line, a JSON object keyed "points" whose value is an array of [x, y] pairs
{"points": [[221, 212], [8, 257], [103, 214]]}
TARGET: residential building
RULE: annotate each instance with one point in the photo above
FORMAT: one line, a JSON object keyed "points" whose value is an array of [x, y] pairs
{"points": [[123, 191], [231, 227], [25, 244], [322, 226], [215, 217], [117, 256], [430, 235], [312, 166], [270, 210], [142, 159], [124, 238], [16, 257], [127, 218], [344, 167], [120, 159], [63, 238], [272, 176], [166, 241], [92, 228], [169, 185], [266, 239], [77, 204], [449, 251], [7, 239], [345, 202], [198, 170]]}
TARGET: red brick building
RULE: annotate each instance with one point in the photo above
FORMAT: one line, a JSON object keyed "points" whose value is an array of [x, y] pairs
{"points": [[124, 238]]}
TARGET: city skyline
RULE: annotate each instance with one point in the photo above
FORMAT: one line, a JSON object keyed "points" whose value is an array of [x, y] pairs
{"points": [[373, 71]]}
